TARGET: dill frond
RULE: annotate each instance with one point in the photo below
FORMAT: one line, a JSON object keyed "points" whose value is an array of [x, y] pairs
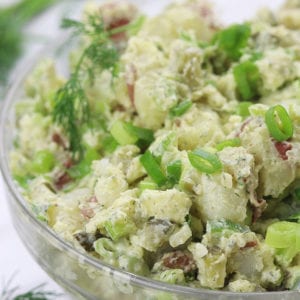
{"points": [[71, 107]]}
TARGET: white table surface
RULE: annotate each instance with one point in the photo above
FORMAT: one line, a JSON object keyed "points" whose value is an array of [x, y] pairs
{"points": [[14, 258]]}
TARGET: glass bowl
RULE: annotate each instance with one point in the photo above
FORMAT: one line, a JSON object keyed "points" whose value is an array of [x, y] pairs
{"points": [[81, 275]]}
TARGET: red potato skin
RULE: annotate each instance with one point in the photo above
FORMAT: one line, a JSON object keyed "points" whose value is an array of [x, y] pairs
{"points": [[179, 260], [56, 138], [282, 149], [250, 244], [62, 180]]}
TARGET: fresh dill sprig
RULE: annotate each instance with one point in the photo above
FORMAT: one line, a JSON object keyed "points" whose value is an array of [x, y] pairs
{"points": [[10, 292], [12, 21], [71, 107]]}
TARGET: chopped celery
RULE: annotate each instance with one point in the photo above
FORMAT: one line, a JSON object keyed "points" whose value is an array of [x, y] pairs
{"points": [[43, 162], [285, 255], [119, 227], [126, 133], [282, 234], [120, 133]]}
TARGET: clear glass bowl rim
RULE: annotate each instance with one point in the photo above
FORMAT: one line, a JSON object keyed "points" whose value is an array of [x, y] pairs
{"points": [[5, 111]]}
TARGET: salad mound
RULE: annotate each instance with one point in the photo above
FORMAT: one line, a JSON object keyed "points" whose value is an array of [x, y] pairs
{"points": [[172, 148]]}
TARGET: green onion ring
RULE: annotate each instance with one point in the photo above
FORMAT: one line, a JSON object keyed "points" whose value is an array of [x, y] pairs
{"points": [[282, 130], [204, 161]]}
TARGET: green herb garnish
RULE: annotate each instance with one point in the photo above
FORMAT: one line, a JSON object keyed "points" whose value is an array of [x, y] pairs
{"points": [[71, 107]]}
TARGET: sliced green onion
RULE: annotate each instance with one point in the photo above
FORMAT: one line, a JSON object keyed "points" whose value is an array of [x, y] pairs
{"points": [[233, 39], [204, 161], [109, 144], [282, 234], [247, 77], [181, 108], [122, 135], [153, 168], [215, 226], [119, 227], [43, 162], [174, 171], [126, 133], [279, 123], [84, 166], [236, 142], [243, 109], [141, 133]]}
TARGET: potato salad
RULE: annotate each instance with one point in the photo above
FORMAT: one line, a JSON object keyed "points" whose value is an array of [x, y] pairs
{"points": [[171, 150]]}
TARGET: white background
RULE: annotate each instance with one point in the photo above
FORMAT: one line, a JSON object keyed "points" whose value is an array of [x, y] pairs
{"points": [[13, 256]]}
